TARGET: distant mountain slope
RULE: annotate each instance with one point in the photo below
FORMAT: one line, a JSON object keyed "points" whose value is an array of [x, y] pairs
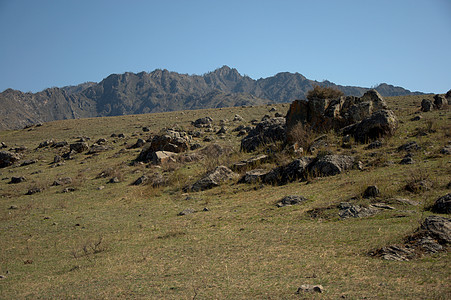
{"points": [[158, 91]]}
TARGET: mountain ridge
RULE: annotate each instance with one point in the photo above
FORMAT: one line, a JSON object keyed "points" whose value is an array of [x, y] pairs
{"points": [[159, 91]]}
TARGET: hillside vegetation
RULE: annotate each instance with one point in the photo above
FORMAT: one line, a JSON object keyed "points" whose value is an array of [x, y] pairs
{"points": [[77, 227]]}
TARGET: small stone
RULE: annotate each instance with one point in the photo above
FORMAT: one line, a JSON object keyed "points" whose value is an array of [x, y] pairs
{"points": [[407, 161], [13, 207], [15, 180], [114, 180], [186, 212], [310, 288]]}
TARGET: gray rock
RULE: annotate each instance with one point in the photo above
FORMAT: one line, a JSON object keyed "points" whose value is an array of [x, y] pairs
{"points": [[407, 161], [60, 144], [34, 190], [374, 145], [348, 210], [249, 163], [212, 179], [8, 158], [297, 169], [440, 101], [46, 143], [238, 118], [79, 147], [28, 162], [291, 200], [162, 157], [114, 180], [266, 132], [222, 130], [443, 204], [308, 288], [203, 122], [438, 228], [330, 165], [97, 149]]}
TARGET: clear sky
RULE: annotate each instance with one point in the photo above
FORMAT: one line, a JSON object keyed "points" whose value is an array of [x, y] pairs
{"points": [[350, 42]]}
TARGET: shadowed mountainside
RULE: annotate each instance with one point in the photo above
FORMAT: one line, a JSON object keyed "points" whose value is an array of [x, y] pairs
{"points": [[160, 91]]}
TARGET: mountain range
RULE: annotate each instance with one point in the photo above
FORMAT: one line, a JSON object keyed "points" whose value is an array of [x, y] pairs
{"points": [[159, 91]]}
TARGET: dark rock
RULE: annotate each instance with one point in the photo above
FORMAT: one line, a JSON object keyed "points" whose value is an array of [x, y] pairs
{"points": [[416, 118], [212, 179], [238, 118], [253, 176], [12, 207], [97, 149], [426, 105], [203, 122], [371, 192], [3, 145], [46, 143], [68, 190], [379, 124], [145, 129], [79, 147], [330, 165], [114, 180], [34, 190], [374, 145], [407, 160], [266, 132], [57, 159], [195, 146], [295, 170], [409, 146], [446, 150], [291, 200], [15, 180], [121, 136], [60, 144], [141, 180], [8, 158], [436, 227], [101, 141], [139, 143], [223, 130], [443, 204], [28, 162]]}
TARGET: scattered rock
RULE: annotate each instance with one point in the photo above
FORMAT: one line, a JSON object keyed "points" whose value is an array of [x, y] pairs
{"points": [[446, 150], [146, 129], [28, 162], [141, 180], [8, 158], [371, 192], [46, 143], [79, 147], [223, 130], [97, 149], [3, 145], [195, 146], [416, 118], [203, 122], [139, 143], [162, 157], [62, 181], [253, 176], [291, 200], [212, 179], [409, 146], [249, 163], [19, 179], [238, 118], [374, 145], [186, 211], [34, 190], [60, 144], [309, 288], [68, 190], [114, 180], [348, 210], [407, 160], [266, 132], [12, 207], [418, 186], [443, 204], [297, 169]]}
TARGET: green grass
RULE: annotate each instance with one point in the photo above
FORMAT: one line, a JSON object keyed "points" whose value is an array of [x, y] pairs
{"points": [[243, 247]]}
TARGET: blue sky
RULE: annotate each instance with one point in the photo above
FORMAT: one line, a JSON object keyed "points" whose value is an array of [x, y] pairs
{"points": [[56, 43]]}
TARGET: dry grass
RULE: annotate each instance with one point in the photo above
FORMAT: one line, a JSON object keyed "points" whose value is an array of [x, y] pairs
{"points": [[242, 247]]}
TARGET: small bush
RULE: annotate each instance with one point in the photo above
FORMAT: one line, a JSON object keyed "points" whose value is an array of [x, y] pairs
{"points": [[324, 92]]}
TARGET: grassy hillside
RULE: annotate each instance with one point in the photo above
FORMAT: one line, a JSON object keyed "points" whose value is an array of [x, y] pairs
{"points": [[114, 240]]}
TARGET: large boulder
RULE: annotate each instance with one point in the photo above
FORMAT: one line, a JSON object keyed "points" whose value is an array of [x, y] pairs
{"points": [[8, 158], [326, 114], [79, 147], [170, 140], [440, 101], [266, 132], [426, 105], [329, 165], [212, 179], [297, 169], [379, 124]]}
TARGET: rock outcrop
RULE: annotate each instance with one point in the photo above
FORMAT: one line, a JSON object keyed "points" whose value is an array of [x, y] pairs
{"points": [[267, 131], [8, 158], [212, 179]]}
